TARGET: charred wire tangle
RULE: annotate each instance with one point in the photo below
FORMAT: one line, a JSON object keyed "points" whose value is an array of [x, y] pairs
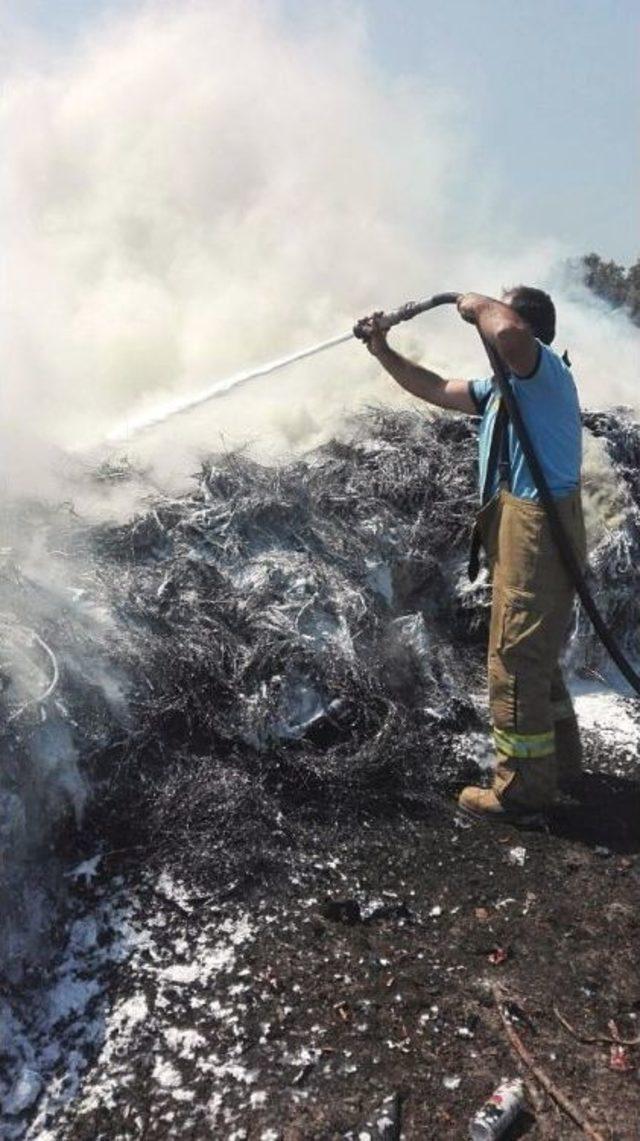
{"points": [[280, 647]]}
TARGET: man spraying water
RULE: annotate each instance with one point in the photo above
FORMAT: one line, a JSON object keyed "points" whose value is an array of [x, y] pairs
{"points": [[536, 736]]}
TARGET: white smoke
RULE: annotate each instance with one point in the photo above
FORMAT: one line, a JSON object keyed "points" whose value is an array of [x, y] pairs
{"points": [[199, 187]]}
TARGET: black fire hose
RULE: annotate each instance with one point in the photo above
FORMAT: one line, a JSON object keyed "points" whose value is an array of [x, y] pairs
{"points": [[405, 313], [560, 537], [556, 526]]}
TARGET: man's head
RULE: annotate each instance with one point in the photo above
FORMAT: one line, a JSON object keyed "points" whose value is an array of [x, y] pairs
{"points": [[536, 308]]}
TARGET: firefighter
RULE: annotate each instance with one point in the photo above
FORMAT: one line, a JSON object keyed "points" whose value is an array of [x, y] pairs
{"points": [[537, 743]]}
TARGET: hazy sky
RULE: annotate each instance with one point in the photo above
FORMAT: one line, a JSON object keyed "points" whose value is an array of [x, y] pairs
{"points": [[551, 91], [547, 88]]}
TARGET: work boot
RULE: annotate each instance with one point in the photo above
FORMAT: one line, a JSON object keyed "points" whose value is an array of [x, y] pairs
{"points": [[526, 785], [519, 788], [569, 755], [481, 802]]}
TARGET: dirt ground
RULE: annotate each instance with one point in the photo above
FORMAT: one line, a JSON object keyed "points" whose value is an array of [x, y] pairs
{"points": [[405, 1000], [364, 1006]]}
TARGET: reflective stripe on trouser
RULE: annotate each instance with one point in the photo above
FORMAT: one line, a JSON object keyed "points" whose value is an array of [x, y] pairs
{"points": [[530, 616], [565, 730], [524, 744]]}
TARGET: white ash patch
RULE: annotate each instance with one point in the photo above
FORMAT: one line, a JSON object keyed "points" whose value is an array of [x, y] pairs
{"points": [[477, 747], [121, 1017], [610, 715], [184, 1043], [184, 973], [167, 886], [165, 1074]]}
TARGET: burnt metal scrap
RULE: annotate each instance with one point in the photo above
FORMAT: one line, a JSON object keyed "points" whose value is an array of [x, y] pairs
{"points": [[619, 429], [269, 650], [279, 647], [281, 684], [614, 562]]}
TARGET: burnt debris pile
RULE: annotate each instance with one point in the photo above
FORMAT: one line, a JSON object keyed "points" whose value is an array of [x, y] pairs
{"points": [[267, 651], [615, 558], [289, 644], [282, 646]]}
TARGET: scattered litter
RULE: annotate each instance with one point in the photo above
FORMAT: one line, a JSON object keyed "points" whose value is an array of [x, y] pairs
{"points": [[498, 955], [517, 856], [451, 1082], [303, 1074], [499, 1112], [542, 1078], [620, 1059], [389, 1123], [462, 822], [385, 1124], [399, 911], [530, 899], [350, 912]]}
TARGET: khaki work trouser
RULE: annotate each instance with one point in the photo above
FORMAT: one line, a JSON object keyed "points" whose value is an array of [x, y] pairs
{"points": [[535, 730]]}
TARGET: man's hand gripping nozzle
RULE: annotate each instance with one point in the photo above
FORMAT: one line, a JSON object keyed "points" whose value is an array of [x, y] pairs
{"points": [[373, 331]]}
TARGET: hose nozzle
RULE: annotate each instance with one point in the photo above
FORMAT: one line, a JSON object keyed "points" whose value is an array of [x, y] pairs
{"points": [[363, 329]]}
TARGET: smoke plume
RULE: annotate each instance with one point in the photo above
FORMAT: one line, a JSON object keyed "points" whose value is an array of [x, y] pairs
{"points": [[199, 187]]}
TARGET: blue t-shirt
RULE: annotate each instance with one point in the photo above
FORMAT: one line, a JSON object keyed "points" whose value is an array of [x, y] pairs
{"points": [[548, 401]]}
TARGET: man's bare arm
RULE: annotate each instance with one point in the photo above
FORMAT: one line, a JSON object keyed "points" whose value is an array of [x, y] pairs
{"points": [[504, 328], [453, 395]]}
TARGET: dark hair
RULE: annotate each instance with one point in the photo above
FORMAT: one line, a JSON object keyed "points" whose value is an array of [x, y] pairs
{"points": [[537, 309]]}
